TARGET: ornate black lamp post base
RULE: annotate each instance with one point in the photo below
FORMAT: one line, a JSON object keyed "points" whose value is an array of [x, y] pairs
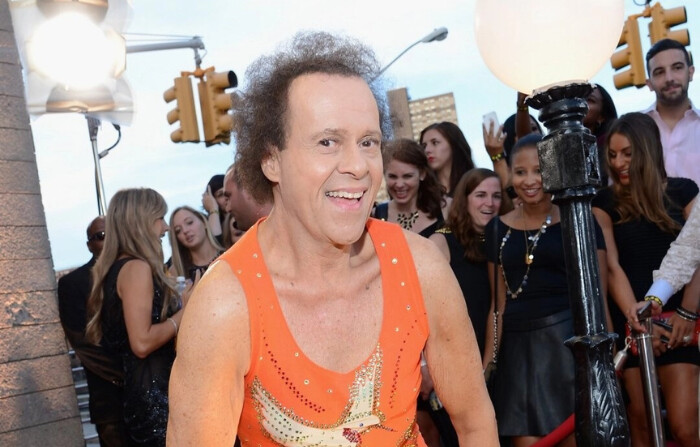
{"points": [[571, 171]]}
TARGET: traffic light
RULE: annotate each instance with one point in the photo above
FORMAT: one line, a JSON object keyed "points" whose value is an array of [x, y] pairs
{"points": [[663, 19], [184, 111], [631, 55], [215, 104]]}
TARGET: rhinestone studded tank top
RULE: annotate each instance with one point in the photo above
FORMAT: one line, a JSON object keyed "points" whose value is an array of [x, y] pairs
{"points": [[292, 401]]}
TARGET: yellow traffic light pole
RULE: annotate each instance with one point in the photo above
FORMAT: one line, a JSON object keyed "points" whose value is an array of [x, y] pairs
{"points": [[184, 111], [659, 28], [630, 55], [663, 19], [215, 104]]}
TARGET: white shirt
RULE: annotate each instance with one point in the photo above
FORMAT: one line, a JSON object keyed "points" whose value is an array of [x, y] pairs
{"points": [[681, 145], [681, 260]]}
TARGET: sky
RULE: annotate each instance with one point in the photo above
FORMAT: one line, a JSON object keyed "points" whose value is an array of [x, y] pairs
{"points": [[235, 33]]}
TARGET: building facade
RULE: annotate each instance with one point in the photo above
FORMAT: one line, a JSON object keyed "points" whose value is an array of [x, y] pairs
{"points": [[409, 117]]}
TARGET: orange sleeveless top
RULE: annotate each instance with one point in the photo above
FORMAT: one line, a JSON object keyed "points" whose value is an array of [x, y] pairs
{"points": [[291, 401]]}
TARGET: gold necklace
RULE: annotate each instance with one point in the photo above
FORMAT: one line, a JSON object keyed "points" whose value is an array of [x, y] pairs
{"points": [[407, 220], [529, 255]]}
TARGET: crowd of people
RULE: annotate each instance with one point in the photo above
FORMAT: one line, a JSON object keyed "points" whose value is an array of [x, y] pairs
{"points": [[317, 325]]}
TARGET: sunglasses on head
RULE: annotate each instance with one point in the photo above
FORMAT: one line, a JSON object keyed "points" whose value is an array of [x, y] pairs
{"points": [[100, 236]]}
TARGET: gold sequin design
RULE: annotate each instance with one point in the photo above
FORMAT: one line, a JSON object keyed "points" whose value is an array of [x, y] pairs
{"points": [[410, 436], [361, 413]]}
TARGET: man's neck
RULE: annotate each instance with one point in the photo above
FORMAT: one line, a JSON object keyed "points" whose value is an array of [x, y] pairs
{"points": [[671, 114]]}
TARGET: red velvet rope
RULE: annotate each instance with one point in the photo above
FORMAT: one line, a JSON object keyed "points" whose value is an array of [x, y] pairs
{"points": [[558, 434]]}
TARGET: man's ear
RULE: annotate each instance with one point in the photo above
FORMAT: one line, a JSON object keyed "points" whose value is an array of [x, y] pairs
{"points": [[691, 71], [271, 164]]}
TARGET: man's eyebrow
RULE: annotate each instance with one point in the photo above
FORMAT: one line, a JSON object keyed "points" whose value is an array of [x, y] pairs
{"points": [[342, 132], [330, 131]]}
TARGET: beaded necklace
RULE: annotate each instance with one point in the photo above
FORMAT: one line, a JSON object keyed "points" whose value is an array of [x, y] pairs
{"points": [[529, 255]]}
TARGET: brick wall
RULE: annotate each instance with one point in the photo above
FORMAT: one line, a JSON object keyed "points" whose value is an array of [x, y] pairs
{"points": [[38, 406]]}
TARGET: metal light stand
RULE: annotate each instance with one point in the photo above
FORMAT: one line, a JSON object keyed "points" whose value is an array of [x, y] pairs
{"points": [[93, 127], [571, 171], [650, 382]]}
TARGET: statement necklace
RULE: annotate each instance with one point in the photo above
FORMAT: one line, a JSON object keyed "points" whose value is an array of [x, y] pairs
{"points": [[407, 220], [530, 245]]}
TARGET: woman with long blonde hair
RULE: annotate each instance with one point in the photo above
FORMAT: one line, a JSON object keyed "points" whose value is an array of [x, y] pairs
{"points": [[193, 245], [133, 309]]}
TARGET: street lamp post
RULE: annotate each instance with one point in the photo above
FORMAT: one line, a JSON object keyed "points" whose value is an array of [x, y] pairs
{"points": [[510, 33], [93, 126], [436, 34], [74, 54]]}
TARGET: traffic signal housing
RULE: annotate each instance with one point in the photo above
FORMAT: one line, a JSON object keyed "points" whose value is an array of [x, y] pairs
{"points": [[184, 111], [630, 55], [215, 104], [663, 19]]}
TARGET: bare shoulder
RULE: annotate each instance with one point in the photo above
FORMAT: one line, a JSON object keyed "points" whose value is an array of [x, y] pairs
{"points": [[426, 253], [216, 317], [135, 276], [434, 272], [221, 288], [135, 267], [440, 240]]}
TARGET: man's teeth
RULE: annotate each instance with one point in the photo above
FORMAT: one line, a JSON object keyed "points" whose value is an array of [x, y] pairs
{"points": [[344, 194]]}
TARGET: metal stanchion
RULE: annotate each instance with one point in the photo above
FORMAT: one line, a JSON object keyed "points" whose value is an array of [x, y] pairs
{"points": [[650, 383]]}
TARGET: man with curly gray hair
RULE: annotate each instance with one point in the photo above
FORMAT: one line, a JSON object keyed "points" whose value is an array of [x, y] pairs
{"points": [[310, 330], [260, 116]]}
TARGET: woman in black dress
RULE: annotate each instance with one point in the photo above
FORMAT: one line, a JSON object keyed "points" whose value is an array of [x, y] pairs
{"points": [[641, 214], [476, 201], [133, 309], [534, 389], [417, 200]]}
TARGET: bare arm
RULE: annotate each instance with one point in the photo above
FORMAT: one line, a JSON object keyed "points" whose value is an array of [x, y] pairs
{"points": [[493, 141], [207, 381], [522, 118], [135, 288], [212, 208], [441, 243], [681, 326], [451, 350]]}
